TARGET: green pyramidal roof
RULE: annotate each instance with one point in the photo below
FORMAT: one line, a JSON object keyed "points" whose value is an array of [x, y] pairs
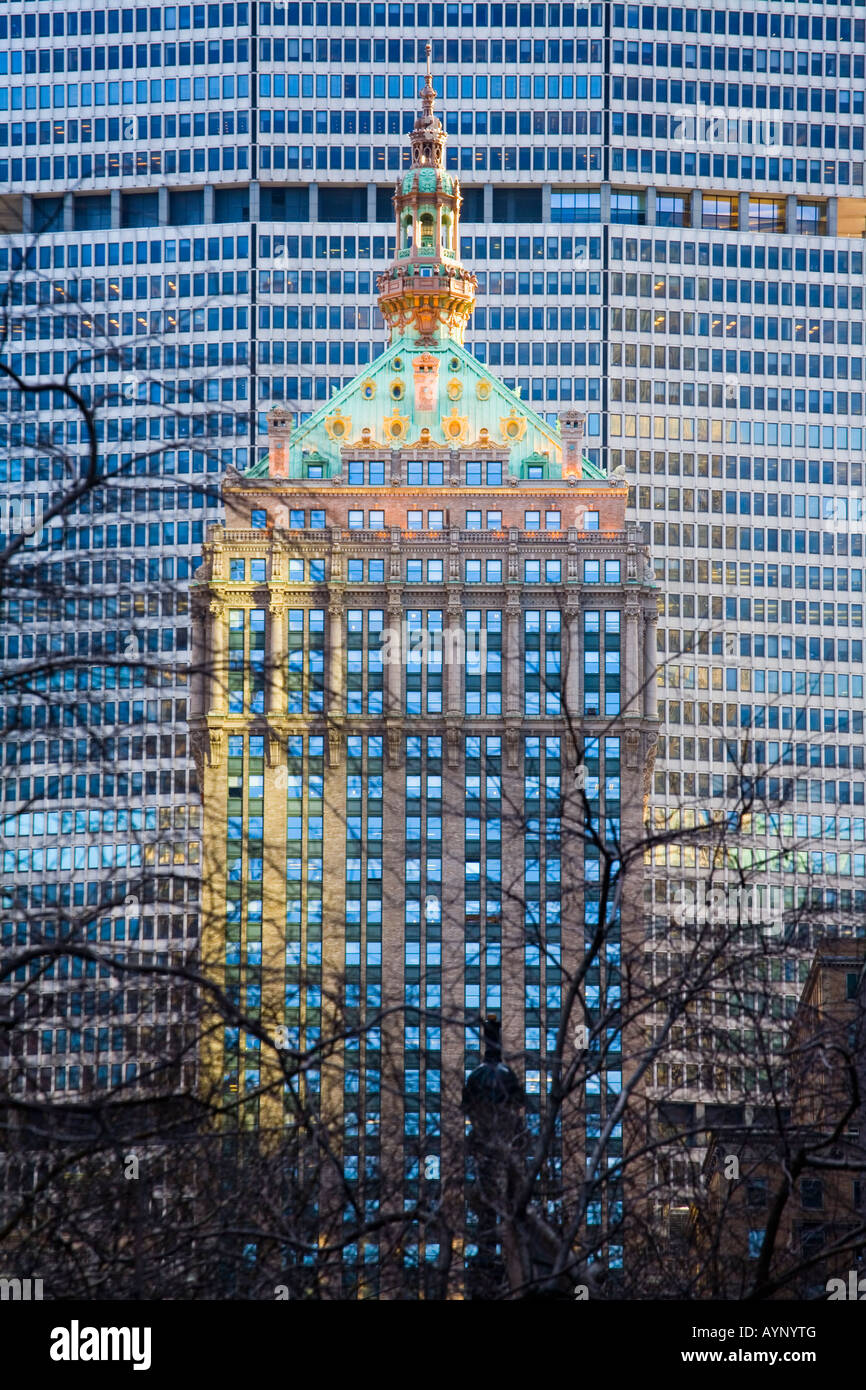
{"points": [[415, 397]]}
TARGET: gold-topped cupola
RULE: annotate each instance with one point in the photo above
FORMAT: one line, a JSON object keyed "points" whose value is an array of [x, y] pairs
{"points": [[426, 293]]}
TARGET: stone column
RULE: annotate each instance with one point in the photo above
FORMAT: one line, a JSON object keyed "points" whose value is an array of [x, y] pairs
{"points": [[650, 664], [513, 684], [219, 662], [572, 670], [631, 703], [336, 698], [791, 214], [278, 655], [453, 653], [394, 659]]}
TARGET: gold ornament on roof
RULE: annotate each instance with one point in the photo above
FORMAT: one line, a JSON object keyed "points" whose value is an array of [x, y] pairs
{"points": [[512, 426], [367, 440], [368, 389], [455, 428], [396, 428], [455, 389], [338, 425], [482, 390]]}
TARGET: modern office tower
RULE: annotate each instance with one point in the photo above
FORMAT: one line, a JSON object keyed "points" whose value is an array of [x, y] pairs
{"points": [[425, 609], [640, 184]]}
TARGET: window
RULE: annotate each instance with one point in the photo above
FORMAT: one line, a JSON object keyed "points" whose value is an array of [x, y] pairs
{"points": [[317, 520], [851, 984], [356, 519], [237, 571], [672, 211], [517, 205], [590, 571], [258, 571], [356, 473], [385, 205], [811, 1194], [434, 571], [628, 207], [415, 521], [139, 210], [92, 212], [590, 521], [552, 571], [259, 519], [719, 211], [532, 571], [491, 471], [297, 519], [756, 1240], [812, 218], [756, 1193], [493, 571], [284, 204], [553, 521], [766, 214], [229, 205], [575, 205], [355, 571], [414, 572], [532, 521], [377, 571], [611, 571], [494, 521], [342, 204], [473, 571], [186, 207], [47, 215], [296, 571], [473, 521], [435, 521], [377, 520]]}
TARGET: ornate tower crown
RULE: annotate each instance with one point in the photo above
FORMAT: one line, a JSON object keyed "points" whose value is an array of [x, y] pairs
{"points": [[426, 292], [428, 137]]}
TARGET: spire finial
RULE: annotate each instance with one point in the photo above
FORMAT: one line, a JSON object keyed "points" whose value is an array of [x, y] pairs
{"points": [[428, 92]]}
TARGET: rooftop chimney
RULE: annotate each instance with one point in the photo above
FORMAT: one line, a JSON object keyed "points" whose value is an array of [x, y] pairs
{"points": [[571, 423], [279, 434]]}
